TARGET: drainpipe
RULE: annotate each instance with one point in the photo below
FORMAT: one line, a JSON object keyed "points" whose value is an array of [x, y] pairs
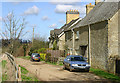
{"points": [[89, 55], [73, 42]]}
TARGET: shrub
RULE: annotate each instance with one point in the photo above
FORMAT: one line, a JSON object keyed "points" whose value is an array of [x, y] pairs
{"points": [[42, 50], [47, 57], [30, 53], [35, 51], [42, 56]]}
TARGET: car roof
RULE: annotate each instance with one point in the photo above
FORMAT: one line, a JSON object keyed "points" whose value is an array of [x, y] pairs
{"points": [[75, 56], [34, 53]]}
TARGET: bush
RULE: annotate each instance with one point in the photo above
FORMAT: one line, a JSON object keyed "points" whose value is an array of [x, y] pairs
{"points": [[42, 56], [30, 53], [42, 50], [47, 57], [35, 51]]}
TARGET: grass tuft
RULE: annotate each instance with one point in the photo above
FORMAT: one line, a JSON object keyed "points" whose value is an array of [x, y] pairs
{"points": [[4, 62], [26, 76], [105, 74], [4, 74]]}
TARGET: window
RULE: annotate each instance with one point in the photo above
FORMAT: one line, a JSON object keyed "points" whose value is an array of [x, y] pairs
{"points": [[66, 35], [77, 35]]}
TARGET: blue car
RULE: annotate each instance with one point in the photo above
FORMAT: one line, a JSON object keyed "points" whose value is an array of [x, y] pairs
{"points": [[75, 62]]}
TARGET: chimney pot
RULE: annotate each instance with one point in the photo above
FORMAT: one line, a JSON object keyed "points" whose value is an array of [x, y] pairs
{"points": [[97, 1]]}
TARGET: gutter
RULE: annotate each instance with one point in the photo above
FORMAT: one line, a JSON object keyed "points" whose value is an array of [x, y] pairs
{"points": [[73, 42], [89, 51]]}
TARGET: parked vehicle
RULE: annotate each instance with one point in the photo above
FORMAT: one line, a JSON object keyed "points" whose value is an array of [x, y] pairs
{"points": [[76, 62], [35, 57]]}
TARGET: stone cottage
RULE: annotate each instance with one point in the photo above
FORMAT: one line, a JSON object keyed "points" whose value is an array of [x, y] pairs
{"points": [[96, 36], [59, 35], [54, 37]]}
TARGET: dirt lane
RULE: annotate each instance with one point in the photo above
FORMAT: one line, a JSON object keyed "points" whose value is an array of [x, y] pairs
{"points": [[47, 72]]}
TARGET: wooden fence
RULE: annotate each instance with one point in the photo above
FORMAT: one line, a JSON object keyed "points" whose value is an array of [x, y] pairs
{"points": [[16, 69], [56, 53]]}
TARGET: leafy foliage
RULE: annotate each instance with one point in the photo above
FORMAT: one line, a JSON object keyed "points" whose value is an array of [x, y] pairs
{"points": [[47, 57]]}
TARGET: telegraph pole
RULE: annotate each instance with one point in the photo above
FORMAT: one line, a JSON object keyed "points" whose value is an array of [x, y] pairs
{"points": [[33, 33]]}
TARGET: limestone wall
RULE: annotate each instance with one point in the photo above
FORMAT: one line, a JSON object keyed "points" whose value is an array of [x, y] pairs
{"points": [[61, 43], [99, 45]]}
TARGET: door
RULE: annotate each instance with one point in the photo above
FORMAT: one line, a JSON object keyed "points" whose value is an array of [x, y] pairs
{"points": [[118, 67], [83, 50]]}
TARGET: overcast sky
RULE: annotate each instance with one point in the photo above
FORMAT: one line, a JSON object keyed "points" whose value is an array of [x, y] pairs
{"points": [[44, 15]]}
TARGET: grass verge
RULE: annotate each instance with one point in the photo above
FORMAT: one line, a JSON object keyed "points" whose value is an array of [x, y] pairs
{"points": [[4, 74], [4, 62], [26, 76], [105, 74], [23, 70]]}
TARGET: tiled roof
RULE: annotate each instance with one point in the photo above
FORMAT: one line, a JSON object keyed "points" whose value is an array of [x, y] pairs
{"points": [[101, 12]]}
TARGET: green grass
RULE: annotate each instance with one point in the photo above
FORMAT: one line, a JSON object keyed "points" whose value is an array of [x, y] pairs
{"points": [[4, 77], [23, 70], [105, 74], [4, 74], [60, 64], [25, 57], [26, 76], [4, 62]]}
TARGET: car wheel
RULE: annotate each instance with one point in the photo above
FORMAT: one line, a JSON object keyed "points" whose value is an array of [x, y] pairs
{"points": [[64, 67], [71, 70], [31, 60], [87, 70]]}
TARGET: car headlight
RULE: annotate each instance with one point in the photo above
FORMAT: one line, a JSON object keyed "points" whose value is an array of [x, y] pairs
{"points": [[87, 64], [74, 64]]}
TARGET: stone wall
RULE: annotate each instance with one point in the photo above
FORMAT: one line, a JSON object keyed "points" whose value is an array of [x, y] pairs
{"points": [[69, 41], [99, 45], [61, 42], [113, 36], [82, 40], [113, 42]]}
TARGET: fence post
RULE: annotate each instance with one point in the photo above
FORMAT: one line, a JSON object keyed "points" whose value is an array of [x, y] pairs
{"points": [[19, 74]]}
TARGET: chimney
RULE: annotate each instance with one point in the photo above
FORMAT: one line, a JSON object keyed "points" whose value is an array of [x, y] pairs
{"points": [[97, 1], [89, 7], [71, 15]]}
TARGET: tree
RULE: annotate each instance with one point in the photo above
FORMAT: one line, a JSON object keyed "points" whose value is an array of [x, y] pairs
{"points": [[39, 42], [13, 30]]}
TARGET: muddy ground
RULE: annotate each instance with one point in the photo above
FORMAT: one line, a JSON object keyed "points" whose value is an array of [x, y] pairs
{"points": [[48, 72]]}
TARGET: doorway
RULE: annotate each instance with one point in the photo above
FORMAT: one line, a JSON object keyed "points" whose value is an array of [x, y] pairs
{"points": [[118, 67], [83, 50]]}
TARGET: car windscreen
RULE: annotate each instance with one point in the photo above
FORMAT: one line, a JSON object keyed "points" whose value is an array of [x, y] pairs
{"points": [[77, 59], [35, 55]]}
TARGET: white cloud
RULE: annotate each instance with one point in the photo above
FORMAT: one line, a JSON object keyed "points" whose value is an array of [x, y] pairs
{"points": [[61, 21], [53, 26], [44, 18], [32, 11], [64, 8]]}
